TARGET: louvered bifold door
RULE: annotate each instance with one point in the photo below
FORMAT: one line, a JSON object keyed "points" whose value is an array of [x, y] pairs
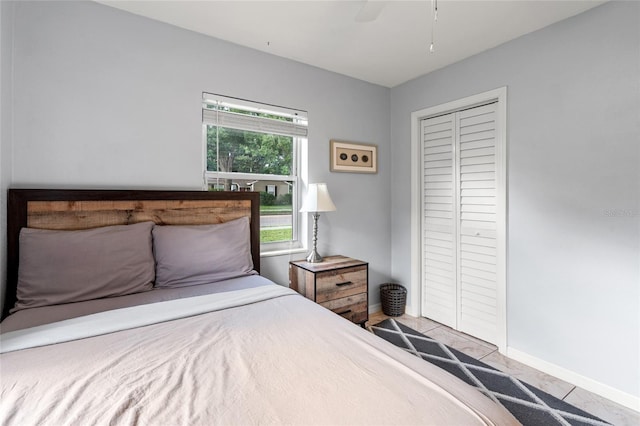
{"points": [[439, 295], [459, 206], [477, 257]]}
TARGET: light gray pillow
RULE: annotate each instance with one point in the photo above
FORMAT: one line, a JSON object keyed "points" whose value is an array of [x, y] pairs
{"points": [[71, 266], [201, 254]]}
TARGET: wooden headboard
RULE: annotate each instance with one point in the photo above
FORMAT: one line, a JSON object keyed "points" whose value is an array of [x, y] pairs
{"points": [[84, 209]]}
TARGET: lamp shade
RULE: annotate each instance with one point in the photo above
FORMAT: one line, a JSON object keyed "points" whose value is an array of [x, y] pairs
{"points": [[317, 199]]}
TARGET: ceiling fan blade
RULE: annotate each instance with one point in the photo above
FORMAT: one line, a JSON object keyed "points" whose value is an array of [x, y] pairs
{"points": [[370, 10]]}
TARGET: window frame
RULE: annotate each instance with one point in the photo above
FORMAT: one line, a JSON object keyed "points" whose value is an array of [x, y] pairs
{"points": [[298, 220]]}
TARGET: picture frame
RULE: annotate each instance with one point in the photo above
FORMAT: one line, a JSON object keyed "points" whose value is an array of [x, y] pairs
{"points": [[351, 157]]}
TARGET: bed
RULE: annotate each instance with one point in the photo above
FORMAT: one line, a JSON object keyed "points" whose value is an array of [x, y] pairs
{"points": [[175, 326]]}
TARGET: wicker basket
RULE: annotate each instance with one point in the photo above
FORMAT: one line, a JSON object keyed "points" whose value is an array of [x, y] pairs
{"points": [[394, 299]]}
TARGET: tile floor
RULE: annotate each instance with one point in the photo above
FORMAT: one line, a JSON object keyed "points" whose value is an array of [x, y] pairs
{"points": [[594, 404]]}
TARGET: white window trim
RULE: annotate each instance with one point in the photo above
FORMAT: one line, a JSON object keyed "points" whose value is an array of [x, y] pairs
{"points": [[299, 242]]}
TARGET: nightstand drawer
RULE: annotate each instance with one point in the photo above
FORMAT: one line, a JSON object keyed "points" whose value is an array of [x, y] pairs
{"points": [[353, 308], [338, 283], [341, 283]]}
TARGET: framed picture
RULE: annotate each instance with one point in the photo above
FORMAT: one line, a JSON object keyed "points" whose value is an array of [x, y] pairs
{"points": [[353, 157]]}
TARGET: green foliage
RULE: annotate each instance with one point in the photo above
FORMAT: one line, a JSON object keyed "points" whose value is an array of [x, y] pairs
{"points": [[284, 199], [272, 235], [248, 152], [267, 199]]}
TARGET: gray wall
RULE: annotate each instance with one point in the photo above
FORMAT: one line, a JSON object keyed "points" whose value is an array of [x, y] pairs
{"points": [[6, 41], [107, 99], [573, 279]]}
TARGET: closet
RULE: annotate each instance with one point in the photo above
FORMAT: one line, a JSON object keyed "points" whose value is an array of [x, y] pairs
{"points": [[463, 221]]}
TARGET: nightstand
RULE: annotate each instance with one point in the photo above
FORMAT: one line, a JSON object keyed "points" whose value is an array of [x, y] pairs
{"points": [[338, 283]]}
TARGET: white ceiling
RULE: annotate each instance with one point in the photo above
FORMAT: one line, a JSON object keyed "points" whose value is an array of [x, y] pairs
{"points": [[388, 51]]}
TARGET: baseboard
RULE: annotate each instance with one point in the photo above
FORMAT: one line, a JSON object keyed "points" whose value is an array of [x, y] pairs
{"points": [[605, 391]]}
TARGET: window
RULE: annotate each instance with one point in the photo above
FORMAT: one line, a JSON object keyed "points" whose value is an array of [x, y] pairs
{"points": [[256, 147]]}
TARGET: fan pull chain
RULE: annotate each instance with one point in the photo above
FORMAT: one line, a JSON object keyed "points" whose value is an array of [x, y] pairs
{"points": [[434, 14]]}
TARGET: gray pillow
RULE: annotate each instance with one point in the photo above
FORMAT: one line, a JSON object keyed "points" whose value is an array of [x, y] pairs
{"points": [[201, 254], [71, 266]]}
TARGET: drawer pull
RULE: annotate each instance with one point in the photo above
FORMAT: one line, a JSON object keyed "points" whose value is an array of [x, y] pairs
{"points": [[344, 312], [344, 283]]}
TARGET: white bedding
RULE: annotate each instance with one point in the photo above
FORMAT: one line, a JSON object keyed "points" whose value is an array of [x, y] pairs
{"points": [[261, 356], [28, 318], [133, 317]]}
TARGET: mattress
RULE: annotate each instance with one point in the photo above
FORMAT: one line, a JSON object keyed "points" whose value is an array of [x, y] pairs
{"points": [[241, 352]]}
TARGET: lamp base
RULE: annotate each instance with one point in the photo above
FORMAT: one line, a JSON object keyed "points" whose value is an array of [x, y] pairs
{"points": [[314, 257]]}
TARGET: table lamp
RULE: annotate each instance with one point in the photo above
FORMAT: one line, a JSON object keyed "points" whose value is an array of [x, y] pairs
{"points": [[316, 201]]}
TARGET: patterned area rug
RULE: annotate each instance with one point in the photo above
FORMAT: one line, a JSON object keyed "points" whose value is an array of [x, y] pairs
{"points": [[531, 406]]}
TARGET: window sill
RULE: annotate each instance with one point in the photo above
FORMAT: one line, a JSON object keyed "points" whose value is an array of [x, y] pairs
{"points": [[283, 252]]}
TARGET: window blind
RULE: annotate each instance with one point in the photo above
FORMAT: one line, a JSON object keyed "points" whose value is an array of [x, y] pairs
{"points": [[245, 115]]}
